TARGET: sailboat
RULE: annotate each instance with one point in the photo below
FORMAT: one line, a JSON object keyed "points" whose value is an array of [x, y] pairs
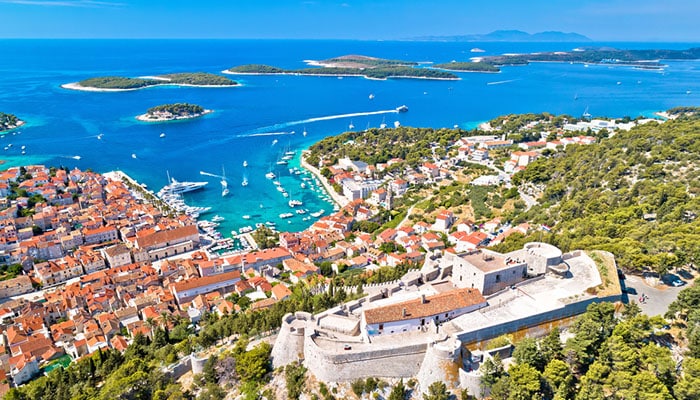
{"points": [[383, 124], [224, 182], [245, 163], [586, 114], [304, 133], [351, 126]]}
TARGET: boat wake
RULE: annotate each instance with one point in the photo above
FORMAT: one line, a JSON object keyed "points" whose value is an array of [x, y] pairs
{"points": [[261, 131], [501, 82]]}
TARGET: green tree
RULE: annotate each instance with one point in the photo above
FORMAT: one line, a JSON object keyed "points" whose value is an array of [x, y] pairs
{"points": [[525, 382], [294, 374], [253, 365], [437, 391], [527, 352], [398, 392]]}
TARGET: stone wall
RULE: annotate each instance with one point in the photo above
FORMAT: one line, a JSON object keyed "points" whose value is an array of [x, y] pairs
{"points": [[289, 345], [442, 362]]}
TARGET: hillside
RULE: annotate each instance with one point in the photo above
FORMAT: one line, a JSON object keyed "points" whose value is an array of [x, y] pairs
{"points": [[634, 194]]}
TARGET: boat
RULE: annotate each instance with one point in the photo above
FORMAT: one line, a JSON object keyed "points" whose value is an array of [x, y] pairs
{"points": [[301, 211], [225, 192], [397, 124], [246, 216], [23, 147], [285, 194], [304, 133], [586, 114], [76, 157], [99, 136], [619, 83], [382, 125], [133, 155], [270, 175], [318, 213], [217, 218], [246, 229], [402, 109], [281, 189], [176, 187], [286, 215], [281, 162], [477, 50], [245, 163], [688, 92], [245, 182], [274, 142], [277, 183], [294, 203], [303, 185], [162, 135], [351, 126], [371, 96]]}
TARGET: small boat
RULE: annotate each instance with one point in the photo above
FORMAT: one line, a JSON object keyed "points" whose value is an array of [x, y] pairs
{"points": [[7, 148], [285, 194], [688, 92], [24, 152], [397, 124], [286, 215], [133, 155], [224, 182], [245, 163], [274, 142], [246, 216], [76, 157], [318, 214], [351, 126], [245, 182], [402, 109], [619, 83], [277, 183], [217, 218], [301, 211], [224, 192], [23, 147], [282, 162], [270, 175], [304, 132], [99, 136], [303, 185], [371, 96], [162, 135], [294, 203]]}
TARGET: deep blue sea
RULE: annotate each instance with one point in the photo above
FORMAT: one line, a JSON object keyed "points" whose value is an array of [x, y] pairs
{"points": [[63, 124]]}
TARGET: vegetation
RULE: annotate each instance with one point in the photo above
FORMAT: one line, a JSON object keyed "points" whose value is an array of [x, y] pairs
{"points": [[637, 58], [369, 67], [608, 357], [10, 271], [634, 194], [194, 78], [177, 109], [468, 66], [8, 121]]}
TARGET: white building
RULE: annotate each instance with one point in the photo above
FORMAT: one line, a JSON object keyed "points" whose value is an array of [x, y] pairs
{"points": [[419, 313]]}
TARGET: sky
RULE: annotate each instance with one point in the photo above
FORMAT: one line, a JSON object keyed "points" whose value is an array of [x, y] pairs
{"points": [[602, 20]]}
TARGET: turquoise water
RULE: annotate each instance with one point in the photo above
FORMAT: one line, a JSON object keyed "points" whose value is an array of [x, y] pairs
{"points": [[63, 124]]}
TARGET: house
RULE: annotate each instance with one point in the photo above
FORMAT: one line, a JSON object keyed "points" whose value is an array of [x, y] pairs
{"points": [[485, 270], [398, 186], [187, 290], [168, 243], [418, 314], [15, 286], [464, 241], [280, 292], [443, 221], [117, 255]]}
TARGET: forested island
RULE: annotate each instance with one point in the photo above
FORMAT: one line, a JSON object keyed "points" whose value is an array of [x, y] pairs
{"points": [[171, 112], [648, 59], [468, 67], [351, 65], [9, 121], [117, 83]]}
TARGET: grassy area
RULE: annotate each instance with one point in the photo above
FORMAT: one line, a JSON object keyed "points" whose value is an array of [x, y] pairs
{"points": [[605, 262]]}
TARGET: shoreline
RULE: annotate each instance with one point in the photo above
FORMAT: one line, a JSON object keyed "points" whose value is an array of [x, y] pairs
{"points": [[19, 124], [459, 70], [337, 198], [340, 75], [78, 87], [145, 118]]}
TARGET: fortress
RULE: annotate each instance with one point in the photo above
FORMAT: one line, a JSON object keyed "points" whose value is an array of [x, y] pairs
{"points": [[427, 324]]}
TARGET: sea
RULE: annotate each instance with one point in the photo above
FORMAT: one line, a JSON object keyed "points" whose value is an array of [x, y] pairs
{"points": [[267, 116]]}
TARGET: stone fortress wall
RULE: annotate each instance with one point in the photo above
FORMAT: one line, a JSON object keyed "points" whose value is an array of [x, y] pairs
{"points": [[439, 354]]}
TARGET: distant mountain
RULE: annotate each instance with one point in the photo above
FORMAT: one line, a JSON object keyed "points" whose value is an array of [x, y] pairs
{"points": [[511, 36]]}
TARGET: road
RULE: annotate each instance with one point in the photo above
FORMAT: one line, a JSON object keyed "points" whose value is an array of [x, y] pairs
{"points": [[659, 295]]}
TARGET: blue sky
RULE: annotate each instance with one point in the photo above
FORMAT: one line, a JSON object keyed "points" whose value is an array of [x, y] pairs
{"points": [[605, 20]]}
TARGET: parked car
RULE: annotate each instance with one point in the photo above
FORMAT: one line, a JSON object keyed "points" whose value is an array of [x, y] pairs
{"points": [[672, 280], [685, 274]]}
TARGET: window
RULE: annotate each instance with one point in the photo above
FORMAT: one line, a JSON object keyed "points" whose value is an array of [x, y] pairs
{"points": [[498, 278], [381, 327]]}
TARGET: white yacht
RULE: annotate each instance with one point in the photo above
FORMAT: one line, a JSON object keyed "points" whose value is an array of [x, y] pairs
{"points": [[162, 135], [371, 96], [217, 218], [270, 175], [397, 124], [351, 126], [294, 203], [245, 163], [245, 182], [176, 187]]}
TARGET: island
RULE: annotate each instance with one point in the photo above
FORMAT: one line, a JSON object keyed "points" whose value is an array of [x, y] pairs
{"points": [[120, 83], [351, 65], [9, 121], [172, 112], [510, 36], [646, 59], [468, 67]]}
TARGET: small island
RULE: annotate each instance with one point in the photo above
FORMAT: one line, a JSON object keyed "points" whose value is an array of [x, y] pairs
{"points": [[173, 112], [119, 83], [9, 121], [351, 65]]}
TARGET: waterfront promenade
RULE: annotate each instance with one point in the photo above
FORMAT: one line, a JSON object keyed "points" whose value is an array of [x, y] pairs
{"points": [[338, 198]]}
